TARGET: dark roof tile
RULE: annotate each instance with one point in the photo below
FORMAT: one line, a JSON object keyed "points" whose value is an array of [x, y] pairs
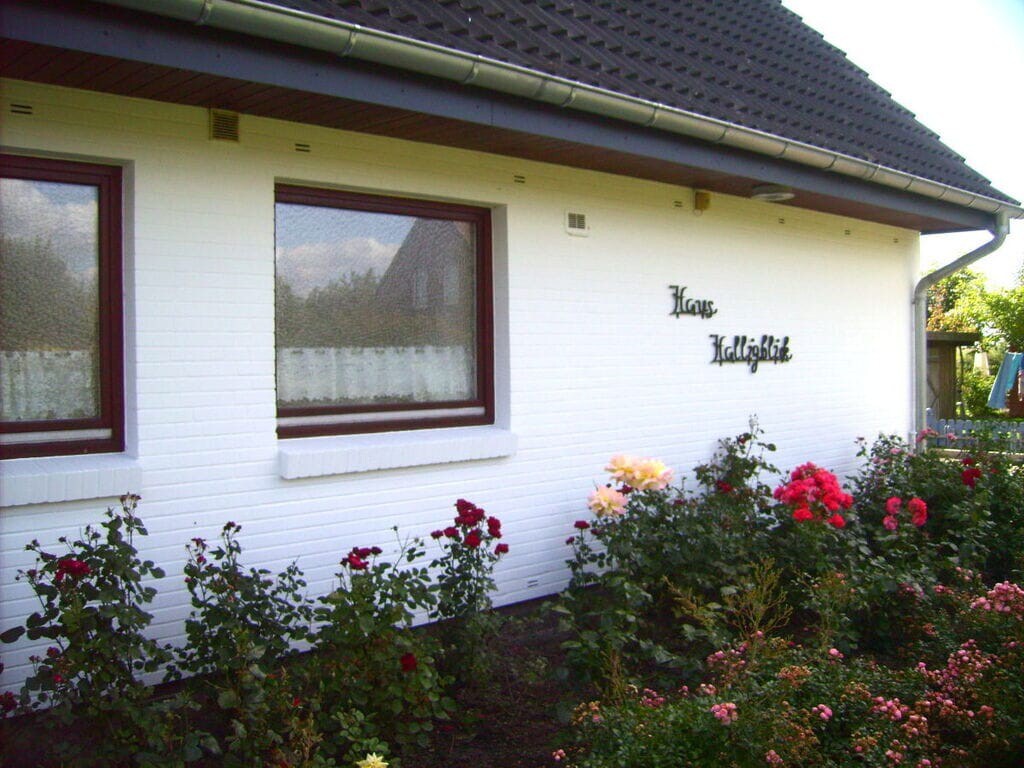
{"points": [[749, 62]]}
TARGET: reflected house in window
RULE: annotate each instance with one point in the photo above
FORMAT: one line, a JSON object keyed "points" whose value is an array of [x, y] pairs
{"points": [[364, 350], [433, 271]]}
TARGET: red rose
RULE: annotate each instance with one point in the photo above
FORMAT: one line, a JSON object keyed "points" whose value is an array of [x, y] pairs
{"points": [[625, 490], [8, 702], [570, 540], [451, 532], [970, 476], [581, 525], [837, 521], [408, 662], [355, 562], [918, 511], [69, 566], [501, 549], [436, 534], [473, 538], [802, 514], [494, 527], [723, 487]]}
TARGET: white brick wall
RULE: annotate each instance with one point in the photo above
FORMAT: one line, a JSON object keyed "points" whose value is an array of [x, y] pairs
{"points": [[596, 364]]}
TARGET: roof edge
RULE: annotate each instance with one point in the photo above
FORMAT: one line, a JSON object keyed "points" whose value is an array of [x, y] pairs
{"points": [[286, 25]]}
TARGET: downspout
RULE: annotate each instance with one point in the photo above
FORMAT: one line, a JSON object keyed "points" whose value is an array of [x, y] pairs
{"points": [[1000, 230]]}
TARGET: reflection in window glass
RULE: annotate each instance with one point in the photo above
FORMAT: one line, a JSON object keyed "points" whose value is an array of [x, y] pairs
{"points": [[49, 308], [364, 310]]}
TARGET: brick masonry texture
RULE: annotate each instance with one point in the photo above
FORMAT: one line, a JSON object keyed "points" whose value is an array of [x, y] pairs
{"points": [[595, 363]]}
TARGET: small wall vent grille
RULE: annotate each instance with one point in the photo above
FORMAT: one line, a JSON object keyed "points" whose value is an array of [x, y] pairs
{"points": [[302, 147], [21, 109], [576, 223], [223, 125]]}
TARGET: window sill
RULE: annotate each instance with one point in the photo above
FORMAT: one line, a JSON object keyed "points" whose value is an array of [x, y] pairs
{"points": [[319, 456], [67, 478]]}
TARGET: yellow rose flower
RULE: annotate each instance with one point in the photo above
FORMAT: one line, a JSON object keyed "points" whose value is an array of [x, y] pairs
{"points": [[650, 474], [620, 466], [372, 760], [607, 502]]}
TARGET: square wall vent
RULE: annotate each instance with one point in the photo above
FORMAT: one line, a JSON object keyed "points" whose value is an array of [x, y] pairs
{"points": [[576, 223], [223, 125]]}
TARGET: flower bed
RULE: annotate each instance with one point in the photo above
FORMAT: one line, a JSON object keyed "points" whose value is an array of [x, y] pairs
{"points": [[803, 625], [743, 622]]}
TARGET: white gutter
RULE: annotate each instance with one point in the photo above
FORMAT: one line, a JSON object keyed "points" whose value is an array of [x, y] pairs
{"points": [[261, 19], [999, 232]]}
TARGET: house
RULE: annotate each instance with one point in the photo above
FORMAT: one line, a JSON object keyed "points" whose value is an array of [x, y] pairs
{"points": [[669, 216]]}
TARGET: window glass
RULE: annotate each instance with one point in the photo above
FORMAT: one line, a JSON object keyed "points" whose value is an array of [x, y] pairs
{"points": [[49, 310], [61, 346], [376, 311]]}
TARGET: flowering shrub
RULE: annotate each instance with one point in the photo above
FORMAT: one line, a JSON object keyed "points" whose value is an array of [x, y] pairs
{"points": [[469, 551], [373, 685], [242, 628], [771, 703], [374, 680], [650, 553], [93, 610], [887, 568]]}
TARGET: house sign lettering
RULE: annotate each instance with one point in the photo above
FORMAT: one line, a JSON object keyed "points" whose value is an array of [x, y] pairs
{"points": [[702, 308], [747, 349]]}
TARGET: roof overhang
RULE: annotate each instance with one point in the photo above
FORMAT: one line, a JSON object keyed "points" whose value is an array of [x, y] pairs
{"points": [[952, 338], [105, 48]]}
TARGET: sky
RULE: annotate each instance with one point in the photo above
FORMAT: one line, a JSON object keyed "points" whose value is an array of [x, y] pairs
{"points": [[957, 65]]}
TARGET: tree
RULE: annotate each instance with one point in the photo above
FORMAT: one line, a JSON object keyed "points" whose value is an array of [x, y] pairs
{"points": [[956, 302], [1004, 315]]}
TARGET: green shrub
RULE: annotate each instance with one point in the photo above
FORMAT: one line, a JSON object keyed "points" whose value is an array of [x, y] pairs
{"points": [[93, 610], [243, 626], [375, 681], [896, 653]]}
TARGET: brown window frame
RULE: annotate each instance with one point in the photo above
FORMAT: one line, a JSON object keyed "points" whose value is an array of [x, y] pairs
{"points": [[110, 281], [478, 216]]}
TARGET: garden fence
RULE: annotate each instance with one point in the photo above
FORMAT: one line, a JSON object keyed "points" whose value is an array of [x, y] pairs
{"points": [[965, 430]]}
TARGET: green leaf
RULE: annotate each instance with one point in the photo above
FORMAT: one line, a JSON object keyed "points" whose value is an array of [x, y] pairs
{"points": [[12, 634]]}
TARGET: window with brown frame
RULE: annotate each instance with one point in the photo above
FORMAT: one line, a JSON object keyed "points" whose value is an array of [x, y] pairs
{"points": [[383, 313], [61, 350]]}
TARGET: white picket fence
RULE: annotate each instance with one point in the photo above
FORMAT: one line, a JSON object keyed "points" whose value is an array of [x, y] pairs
{"points": [[47, 384], [365, 374], [954, 433]]}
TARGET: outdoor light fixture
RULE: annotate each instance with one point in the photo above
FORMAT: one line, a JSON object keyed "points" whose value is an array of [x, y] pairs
{"points": [[772, 193]]}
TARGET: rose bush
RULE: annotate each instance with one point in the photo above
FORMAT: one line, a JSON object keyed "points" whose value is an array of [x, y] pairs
{"points": [[870, 627], [373, 688]]}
